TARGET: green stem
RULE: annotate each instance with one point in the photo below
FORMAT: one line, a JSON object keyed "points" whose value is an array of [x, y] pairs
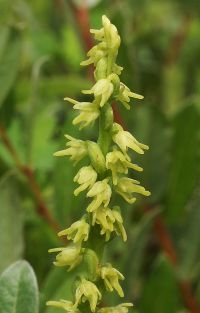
{"points": [[105, 128]]}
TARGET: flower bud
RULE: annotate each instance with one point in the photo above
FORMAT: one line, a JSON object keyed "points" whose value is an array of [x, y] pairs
{"points": [[96, 156], [101, 69], [70, 256], [91, 260]]}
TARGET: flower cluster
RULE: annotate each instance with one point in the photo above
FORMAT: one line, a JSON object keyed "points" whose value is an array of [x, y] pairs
{"points": [[106, 174]]}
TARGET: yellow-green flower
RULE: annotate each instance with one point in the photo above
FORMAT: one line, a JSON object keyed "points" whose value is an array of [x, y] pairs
{"points": [[77, 149], [108, 33], [125, 94], [104, 217], [121, 308], [102, 90], [101, 192], [78, 231], [125, 140], [87, 291], [95, 54], [64, 304], [69, 256], [111, 278], [127, 186], [89, 112], [117, 162], [86, 177], [109, 221]]}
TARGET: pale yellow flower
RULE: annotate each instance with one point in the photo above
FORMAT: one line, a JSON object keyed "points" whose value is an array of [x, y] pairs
{"points": [[126, 187], [78, 231], [117, 162], [95, 54], [107, 34], [101, 192], [89, 112], [64, 304], [125, 140], [102, 90], [125, 94], [121, 308], [111, 35], [104, 217], [86, 177], [87, 291], [77, 149], [111, 278], [69, 256], [109, 221]]}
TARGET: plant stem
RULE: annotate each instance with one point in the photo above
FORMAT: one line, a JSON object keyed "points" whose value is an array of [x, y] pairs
{"points": [[168, 247], [28, 172], [105, 127]]}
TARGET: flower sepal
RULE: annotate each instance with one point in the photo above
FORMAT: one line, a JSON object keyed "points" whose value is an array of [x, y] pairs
{"points": [[68, 256]]}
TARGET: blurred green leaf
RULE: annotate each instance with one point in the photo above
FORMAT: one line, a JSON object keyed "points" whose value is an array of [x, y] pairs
{"points": [[58, 285], [72, 47], [54, 87], [9, 66], [152, 128], [4, 37], [134, 258], [160, 293], [185, 162], [190, 240], [42, 146], [18, 289], [11, 222]]}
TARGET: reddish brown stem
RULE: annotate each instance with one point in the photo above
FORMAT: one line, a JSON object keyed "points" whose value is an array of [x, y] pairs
{"points": [[166, 244], [82, 19], [165, 239], [178, 40], [28, 172]]}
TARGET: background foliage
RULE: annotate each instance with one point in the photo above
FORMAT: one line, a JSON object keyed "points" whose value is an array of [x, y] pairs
{"points": [[41, 46]]}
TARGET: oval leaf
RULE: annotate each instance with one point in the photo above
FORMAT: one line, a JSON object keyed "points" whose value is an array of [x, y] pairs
{"points": [[18, 289], [11, 222]]}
